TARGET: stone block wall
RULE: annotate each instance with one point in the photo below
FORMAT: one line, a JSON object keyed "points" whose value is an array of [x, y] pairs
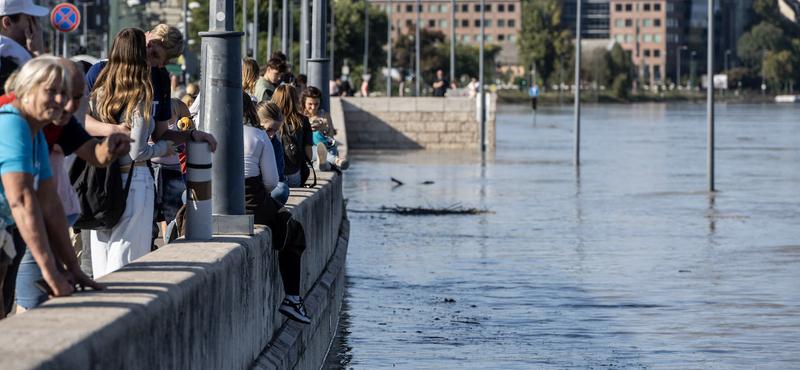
{"points": [[197, 305], [415, 123]]}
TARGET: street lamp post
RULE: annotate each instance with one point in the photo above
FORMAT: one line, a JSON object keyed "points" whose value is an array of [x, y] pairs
{"points": [[678, 74], [389, 54], [416, 52]]}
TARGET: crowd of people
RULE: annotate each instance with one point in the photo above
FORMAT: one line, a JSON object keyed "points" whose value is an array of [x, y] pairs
{"points": [[123, 124]]}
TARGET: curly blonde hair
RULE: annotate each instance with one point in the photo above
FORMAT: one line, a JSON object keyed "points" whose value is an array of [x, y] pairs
{"points": [[124, 83]]}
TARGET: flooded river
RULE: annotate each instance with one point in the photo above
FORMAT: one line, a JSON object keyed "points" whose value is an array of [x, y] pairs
{"points": [[628, 264]]}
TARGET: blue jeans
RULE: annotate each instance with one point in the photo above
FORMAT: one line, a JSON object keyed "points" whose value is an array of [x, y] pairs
{"points": [[28, 295], [293, 180], [281, 193]]}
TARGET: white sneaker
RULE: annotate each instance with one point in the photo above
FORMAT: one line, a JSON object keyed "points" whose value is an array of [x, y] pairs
{"points": [[322, 158]]}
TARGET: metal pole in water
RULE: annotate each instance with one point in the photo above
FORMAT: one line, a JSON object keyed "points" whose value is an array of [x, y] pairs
{"points": [[710, 95], [222, 63], [577, 144], [416, 53], [389, 55], [533, 85], [481, 94]]}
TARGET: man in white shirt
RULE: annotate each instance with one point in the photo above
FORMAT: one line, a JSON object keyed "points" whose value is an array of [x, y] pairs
{"points": [[20, 35]]}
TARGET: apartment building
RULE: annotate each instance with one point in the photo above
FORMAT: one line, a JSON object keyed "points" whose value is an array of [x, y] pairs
{"points": [[502, 21], [652, 31]]}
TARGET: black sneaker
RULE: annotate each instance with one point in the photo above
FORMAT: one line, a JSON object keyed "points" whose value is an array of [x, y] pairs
{"points": [[295, 311]]}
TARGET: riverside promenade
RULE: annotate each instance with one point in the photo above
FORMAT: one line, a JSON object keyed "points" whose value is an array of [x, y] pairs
{"points": [[209, 305]]}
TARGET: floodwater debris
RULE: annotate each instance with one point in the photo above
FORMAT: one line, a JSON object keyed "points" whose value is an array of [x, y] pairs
{"points": [[454, 209], [397, 181]]}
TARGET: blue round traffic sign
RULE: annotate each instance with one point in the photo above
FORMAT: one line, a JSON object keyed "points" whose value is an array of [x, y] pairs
{"points": [[533, 91], [65, 17]]}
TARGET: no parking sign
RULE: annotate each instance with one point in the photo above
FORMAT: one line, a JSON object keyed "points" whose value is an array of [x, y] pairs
{"points": [[65, 17]]}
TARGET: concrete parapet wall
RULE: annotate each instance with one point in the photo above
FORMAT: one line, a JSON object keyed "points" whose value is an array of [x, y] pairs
{"points": [[205, 305], [415, 123]]}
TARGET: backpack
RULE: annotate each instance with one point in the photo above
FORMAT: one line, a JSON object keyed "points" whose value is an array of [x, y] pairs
{"points": [[293, 152], [101, 193]]}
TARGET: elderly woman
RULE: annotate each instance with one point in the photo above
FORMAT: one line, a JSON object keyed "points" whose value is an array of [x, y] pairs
{"points": [[30, 208]]}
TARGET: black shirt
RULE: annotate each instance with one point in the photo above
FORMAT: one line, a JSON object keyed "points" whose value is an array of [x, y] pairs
{"points": [[302, 137]]}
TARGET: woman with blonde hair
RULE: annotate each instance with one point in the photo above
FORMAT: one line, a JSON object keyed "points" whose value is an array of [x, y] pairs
{"points": [[271, 118], [123, 95], [30, 210], [295, 134], [249, 77]]}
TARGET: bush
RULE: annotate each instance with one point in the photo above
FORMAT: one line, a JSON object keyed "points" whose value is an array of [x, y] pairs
{"points": [[620, 86]]}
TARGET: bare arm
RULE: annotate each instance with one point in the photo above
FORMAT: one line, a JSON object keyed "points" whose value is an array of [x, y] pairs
{"points": [[102, 153], [163, 132], [55, 222], [331, 129], [98, 128], [27, 214]]}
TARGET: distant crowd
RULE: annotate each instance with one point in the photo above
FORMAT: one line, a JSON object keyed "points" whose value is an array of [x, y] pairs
{"points": [[92, 160]]}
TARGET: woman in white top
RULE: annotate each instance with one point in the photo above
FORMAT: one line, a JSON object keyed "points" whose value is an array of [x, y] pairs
{"points": [[261, 177], [127, 76]]}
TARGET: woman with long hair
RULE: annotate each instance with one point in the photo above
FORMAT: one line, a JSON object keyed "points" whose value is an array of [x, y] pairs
{"points": [[322, 125], [250, 76], [123, 95], [261, 178], [271, 118], [295, 134]]}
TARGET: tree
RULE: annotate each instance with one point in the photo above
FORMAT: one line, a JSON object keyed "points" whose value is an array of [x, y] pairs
{"points": [[349, 35], [764, 36], [778, 68], [543, 37]]}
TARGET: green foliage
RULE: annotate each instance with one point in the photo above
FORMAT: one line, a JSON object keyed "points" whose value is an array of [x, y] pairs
{"points": [[349, 36], [543, 37], [620, 86], [747, 76], [763, 36], [778, 67]]}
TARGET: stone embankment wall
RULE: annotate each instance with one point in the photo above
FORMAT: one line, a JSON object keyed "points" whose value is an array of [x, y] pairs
{"points": [[414, 123], [197, 305]]}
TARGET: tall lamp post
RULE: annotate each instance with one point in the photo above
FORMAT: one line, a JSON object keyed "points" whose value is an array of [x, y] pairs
{"points": [[678, 73], [710, 97], [389, 55]]}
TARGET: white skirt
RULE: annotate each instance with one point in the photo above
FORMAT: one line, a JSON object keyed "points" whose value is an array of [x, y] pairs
{"points": [[131, 237]]}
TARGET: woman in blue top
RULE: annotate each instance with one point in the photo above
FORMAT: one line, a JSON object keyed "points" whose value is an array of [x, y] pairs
{"points": [[29, 203]]}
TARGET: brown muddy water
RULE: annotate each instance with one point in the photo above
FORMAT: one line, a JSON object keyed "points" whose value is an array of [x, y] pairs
{"points": [[628, 264]]}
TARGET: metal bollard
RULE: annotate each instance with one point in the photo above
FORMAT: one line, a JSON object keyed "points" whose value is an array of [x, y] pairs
{"points": [[198, 191]]}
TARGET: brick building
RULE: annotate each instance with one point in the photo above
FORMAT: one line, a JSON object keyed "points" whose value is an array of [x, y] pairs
{"points": [[502, 22], [652, 31]]}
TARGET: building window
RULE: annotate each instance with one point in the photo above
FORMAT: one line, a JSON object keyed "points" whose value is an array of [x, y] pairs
{"points": [[656, 53], [442, 23], [647, 7], [657, 22], [657, 37], [670, 7], [464, 8], [421, 9], [512, 23], [409, 8], [647, 23], [421, 24], [488, 8], [500, 8], [432, 9], [501, 37], [408, 23], [629, 23], [646, 53], [380, 8], [489, 38], [477, 8], [477, 23], [648, 38], [619, 23], [488, 23], [477, 37], [512, 37], [628, 7], [464, 37], [619, 7], [442, 8], [511, 9], [628, 38], [501, 23], [620, 38], [398, 8], [464, 23], [657, 7], [432, 23]]}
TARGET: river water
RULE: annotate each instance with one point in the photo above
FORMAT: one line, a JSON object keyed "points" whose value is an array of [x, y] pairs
{"points": [[629, 264]]}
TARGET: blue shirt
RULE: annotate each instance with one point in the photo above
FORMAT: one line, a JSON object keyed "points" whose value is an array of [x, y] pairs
{"points": [[20, 153], [161, 109], [278, 147]]}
